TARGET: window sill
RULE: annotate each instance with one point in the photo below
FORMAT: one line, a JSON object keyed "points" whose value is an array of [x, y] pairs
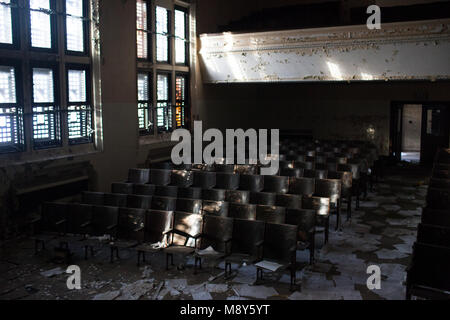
{"points": [[28, 157]]}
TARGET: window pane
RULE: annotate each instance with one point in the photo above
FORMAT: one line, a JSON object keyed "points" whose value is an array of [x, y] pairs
{"points": [[40, 24], [79, 122], [43, 91], [163, 87], [7, 85], [143, 93], [180, 36], [162, 28], [5, 23], [77, 85], [141, 26], [180, 94], [11, 130], [74, 25]]}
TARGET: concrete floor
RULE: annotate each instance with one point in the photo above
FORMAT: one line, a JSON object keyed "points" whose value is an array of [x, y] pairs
{"points": [[381, 233]]}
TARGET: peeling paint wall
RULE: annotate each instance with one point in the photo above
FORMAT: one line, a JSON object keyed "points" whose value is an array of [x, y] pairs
{"points": [[396, 52]]}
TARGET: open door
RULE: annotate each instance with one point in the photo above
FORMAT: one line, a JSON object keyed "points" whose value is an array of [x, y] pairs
{"points": [[435, 130]]}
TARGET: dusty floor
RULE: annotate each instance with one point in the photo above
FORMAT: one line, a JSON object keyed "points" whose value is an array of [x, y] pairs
{"points": [[381, 233]]}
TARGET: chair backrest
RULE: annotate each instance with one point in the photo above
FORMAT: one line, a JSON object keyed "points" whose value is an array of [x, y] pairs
{"points": [[302, 186], [77, 215], [329, 188], [226, 180], [251, 182], [188, 223], [430, 265], [189, 205], [345, 177], [249, 169], [93, 198], [316, 173], [190, 193], [115, 200], [433, 235], [265, 198], [103, 218], [354, 168], [246, 235], [182, 178], [215, 208], [242, 211], [292, 172], [280, 242], [276, 184], [304, 219], [166, 191], [216, 231], [436, 217], [223, 167], [214, 194], [438, 199], [237, 196], [204, 179], [54, 217], [123, 188], [164, 203], [156, 223], [138, 175], [144, 189], [270, 214], [320, 204], [289, 201], [139, 202], [160, 177], [130, 220]]}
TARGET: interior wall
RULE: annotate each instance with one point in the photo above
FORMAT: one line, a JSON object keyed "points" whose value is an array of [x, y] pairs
{"points": [[359, 111], [412, 127]]}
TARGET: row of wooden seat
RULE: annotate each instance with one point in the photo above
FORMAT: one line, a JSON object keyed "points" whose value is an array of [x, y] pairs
{"points": [[182, 233], [428, 271]]}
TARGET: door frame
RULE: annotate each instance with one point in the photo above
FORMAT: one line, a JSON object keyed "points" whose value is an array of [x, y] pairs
{"points": [[395, 140]]}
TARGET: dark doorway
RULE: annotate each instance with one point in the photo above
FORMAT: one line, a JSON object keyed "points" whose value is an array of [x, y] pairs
{"points": [[418, 129]]}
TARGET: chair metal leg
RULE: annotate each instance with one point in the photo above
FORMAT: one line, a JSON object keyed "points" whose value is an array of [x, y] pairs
{"points": [[138, 258], [167, 261], [327, 229], [293, 279]]}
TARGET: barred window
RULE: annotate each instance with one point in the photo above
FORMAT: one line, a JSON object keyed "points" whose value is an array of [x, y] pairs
{"points": [[41, 24], [142, 29], [79, 111], [180, 37], [11, 113], [181, 100], [162, 34], [46, 116], [145, 109], [6, 34], [75, 25], [163, 106]]}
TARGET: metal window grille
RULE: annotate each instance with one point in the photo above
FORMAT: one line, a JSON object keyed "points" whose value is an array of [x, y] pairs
{"points": [[145, 111], [163, 107], [79, 112], [180, 103], [46, 116]]}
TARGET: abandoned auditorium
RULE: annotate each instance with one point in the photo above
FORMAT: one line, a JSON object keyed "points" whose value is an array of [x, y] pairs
{"points": [[192, 153]]}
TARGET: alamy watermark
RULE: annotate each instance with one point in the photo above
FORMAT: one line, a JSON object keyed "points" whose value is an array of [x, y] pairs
{"points": [[374, 20], [218, 152]]}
